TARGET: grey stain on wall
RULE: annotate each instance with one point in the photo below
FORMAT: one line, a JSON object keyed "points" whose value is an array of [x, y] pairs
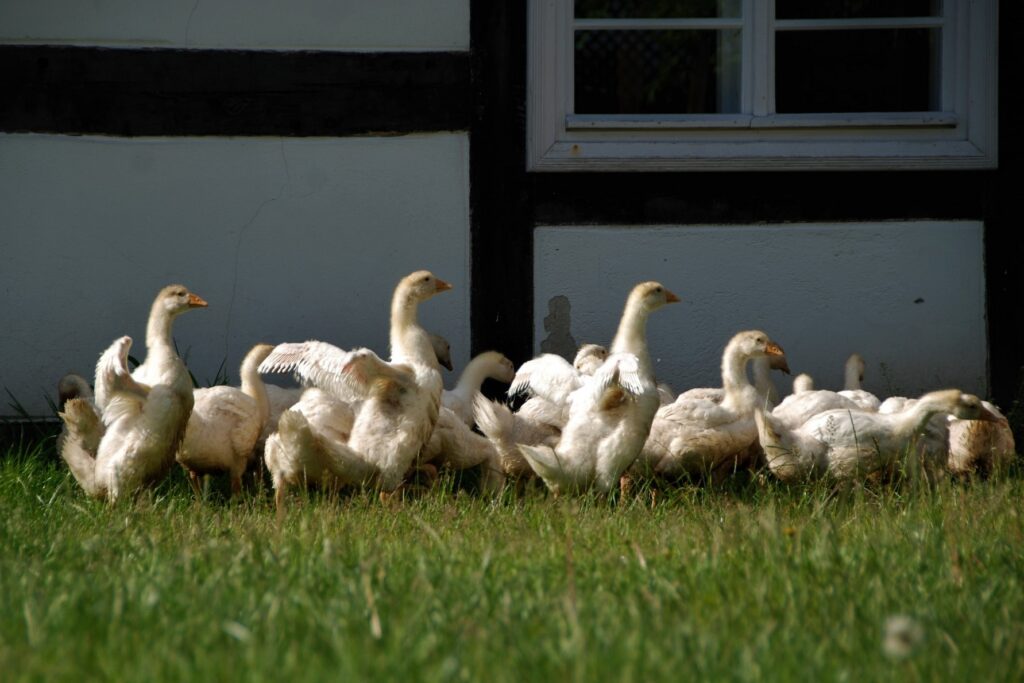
{"points": [[557, 323]]}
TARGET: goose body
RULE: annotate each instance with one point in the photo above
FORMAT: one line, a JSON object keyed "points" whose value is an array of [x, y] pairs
{"points": [[698, 435], [609, 413], [128, 438], [226, 424], [395, 404], [852, 444]]}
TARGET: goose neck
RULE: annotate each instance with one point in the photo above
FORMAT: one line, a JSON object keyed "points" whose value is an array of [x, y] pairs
{"points": [[158, 328], [252, 382], [734, 366], [631, 337], [477, 370]]}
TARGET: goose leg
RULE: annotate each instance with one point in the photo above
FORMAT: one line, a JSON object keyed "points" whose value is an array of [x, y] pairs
{"points": [[279, 495], [236, 484], [391, 498], [625, 488], [196, 482]]}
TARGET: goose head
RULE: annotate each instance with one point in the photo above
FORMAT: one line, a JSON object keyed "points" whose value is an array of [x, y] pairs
{"points": [[970, 407], [650, 296], [421, 285], [442, 349], [803, 382], [176, 299], [755, 343], [589, 358], [72, 386], [500, 367], [854, 371]]}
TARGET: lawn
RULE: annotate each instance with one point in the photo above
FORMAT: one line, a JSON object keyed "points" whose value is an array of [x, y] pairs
{"points": [[753, 582]]}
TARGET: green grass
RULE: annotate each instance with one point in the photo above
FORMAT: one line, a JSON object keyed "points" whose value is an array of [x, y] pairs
{"points": [[751, 583]]}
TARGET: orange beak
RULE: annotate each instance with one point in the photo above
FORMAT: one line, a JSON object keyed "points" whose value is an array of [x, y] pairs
{"points": [[671, 298], [196, 301], [773, 349], [442, 286]]}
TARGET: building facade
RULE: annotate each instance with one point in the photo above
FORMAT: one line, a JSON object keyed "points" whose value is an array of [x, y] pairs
{"points": [[840, 181]]}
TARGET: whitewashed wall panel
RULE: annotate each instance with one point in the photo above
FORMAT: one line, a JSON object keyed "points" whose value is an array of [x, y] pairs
{"points": [[287, 239], [908, 296]]}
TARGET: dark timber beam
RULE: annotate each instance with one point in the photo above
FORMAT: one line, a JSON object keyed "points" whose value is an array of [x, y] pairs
{"points": [[131, 92]]}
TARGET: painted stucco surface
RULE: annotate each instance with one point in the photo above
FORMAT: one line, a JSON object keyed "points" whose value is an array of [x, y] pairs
{"points": [[288, 240], [908, 296], [241, 24]]}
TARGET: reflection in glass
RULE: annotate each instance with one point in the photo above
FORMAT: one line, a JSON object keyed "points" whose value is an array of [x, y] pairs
{"points": [[857, 71], [657, 72], [855, 9]]}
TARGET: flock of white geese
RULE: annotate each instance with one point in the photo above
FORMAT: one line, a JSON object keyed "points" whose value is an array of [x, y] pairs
{"points": [[599, 423]]}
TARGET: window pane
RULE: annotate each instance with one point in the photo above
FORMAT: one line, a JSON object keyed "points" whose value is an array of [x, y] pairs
{"points": [[656, 9], [855, 9], [857, 71], [657, 72]]}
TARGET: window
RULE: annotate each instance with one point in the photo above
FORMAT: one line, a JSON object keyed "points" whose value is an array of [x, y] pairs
{"points": [[761, 84]]}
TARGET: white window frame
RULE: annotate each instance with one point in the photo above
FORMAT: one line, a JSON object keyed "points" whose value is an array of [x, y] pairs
{"points": [[962, 135]]}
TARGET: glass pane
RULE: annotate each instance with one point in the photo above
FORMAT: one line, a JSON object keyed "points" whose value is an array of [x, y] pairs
{"points": [[857, 71], [657, 72], [656, 9], [855, 9]]}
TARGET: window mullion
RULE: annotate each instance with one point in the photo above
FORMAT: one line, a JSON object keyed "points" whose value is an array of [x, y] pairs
{"points": [[760, 14], [747, 88], [567, 56], [954, 19]]}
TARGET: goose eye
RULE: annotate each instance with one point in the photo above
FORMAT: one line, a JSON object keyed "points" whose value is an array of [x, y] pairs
{"points": [[426, 278]]}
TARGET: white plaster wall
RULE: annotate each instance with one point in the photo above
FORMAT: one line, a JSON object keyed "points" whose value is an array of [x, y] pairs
{"points": [[822, 291], [287, 239], [256, 24]]}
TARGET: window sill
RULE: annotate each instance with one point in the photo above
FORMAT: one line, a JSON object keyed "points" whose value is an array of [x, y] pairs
{"points": [[733, 121]]}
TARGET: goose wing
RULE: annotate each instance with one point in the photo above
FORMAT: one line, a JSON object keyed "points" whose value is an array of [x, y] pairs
{"points": [[549, 376], [348, 375]]}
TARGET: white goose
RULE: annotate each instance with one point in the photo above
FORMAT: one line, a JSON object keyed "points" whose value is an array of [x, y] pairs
{"points": [[853, 444], [538, 420], [609, 414], [130, 442], [698, 436], [804, 404], [283, 398], [162, 364], [853, 378], [486, 365], [395, 403], [225, 425], [761, 368]]}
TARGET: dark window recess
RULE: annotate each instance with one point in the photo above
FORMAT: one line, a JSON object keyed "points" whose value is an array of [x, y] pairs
{"points": [[857, 71], [656, 9], [855, 9], [657, 72]]}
